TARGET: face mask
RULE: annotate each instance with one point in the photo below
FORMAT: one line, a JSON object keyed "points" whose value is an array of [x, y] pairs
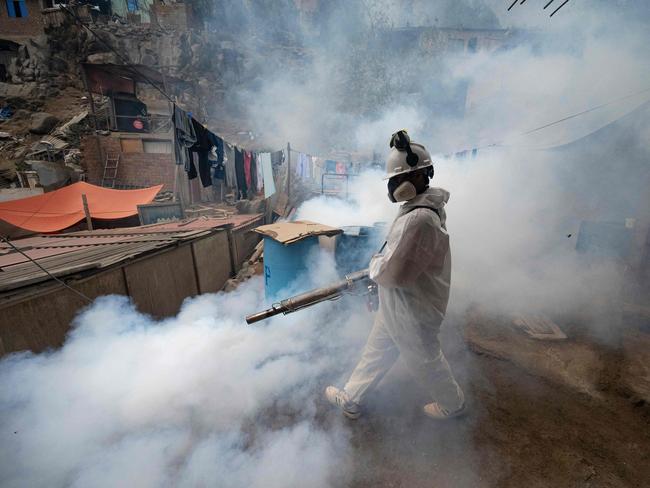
{"points": [[404, 192]]}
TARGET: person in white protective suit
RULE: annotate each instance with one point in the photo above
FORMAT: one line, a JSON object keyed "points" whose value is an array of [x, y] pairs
{"points": [[413, 276]]}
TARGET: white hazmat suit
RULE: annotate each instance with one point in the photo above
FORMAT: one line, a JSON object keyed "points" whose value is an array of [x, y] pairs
{"points": [[413, 275]]}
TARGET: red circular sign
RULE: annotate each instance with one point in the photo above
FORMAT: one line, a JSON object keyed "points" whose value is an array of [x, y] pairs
{"points": [[137, 123]]}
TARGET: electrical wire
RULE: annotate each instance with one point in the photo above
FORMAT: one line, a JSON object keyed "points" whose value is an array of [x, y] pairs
{"points": [[75, 291], [555, 122], [586, 111], [555, 11]]}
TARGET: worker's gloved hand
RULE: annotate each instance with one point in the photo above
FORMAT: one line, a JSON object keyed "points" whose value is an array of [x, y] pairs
{"points": [[374, 265]]}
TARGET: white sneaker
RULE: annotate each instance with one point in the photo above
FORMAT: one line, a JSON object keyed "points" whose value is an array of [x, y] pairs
{"points": [[339, 398], [437, 412]]}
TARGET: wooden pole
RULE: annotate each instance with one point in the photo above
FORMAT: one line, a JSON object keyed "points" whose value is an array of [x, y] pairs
{"points": [[100, 152], [288, 171], [89, 221]]}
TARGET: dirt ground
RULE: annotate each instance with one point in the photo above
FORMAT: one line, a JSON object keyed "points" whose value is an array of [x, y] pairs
{"points": [[520, 431]]}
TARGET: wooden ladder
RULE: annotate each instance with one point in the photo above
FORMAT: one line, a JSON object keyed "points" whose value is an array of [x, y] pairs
{"points": [[110, 169]]}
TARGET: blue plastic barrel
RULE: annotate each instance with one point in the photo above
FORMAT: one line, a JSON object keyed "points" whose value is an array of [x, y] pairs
{"points": [[284, 264]]}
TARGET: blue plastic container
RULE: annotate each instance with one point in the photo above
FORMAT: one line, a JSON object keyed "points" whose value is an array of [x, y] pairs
{"points": [[284, 264]]}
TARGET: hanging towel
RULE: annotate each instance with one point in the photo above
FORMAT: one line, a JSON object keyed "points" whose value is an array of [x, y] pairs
{"points": [[260, 173], [229, 162], [318, 169], [247, 170], [267, 170]]}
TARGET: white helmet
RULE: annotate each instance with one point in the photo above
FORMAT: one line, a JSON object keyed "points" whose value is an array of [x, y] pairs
{"points": [[405, 156]]}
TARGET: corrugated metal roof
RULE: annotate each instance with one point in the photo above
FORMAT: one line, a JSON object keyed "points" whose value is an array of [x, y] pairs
{"points": [[65, 254]]}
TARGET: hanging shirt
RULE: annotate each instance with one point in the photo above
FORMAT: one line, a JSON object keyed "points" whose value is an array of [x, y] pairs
{"points": [[340, 168], [330, 166]]}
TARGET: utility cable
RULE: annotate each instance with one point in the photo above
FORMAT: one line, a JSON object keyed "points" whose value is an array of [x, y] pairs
{"points": [[75, 291], [563, 119], [586, 111], [555, 11]]}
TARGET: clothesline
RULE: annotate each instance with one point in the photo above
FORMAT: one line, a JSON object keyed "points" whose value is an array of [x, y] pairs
{"points": [[247, 172]]}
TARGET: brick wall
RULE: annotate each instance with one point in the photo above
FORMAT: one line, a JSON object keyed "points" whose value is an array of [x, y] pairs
{"points": [[32, 25], [135, 169]]}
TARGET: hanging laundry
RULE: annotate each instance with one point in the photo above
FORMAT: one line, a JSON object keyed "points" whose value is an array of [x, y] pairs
{"points": [[218, 175], [340, 168], [241, 174], [193, 161], [260, 173], [277, 158], [216, 157], [218, 167], [303, 166], [229, 162], [219, 171], [217, 142], [267, 171], [204, 143], [253, 187], [247, 170], [330, 166], [318, 169], [184, 136]]}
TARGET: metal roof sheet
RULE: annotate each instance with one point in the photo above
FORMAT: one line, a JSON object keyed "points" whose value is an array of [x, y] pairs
{"points": [[65, 254]]}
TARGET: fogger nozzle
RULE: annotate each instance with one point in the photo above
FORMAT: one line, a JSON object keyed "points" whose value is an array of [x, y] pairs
{"points": [[309, 298]]}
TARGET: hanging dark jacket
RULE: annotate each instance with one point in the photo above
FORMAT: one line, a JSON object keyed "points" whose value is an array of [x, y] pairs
{"points": [[202, 148], [184, 136], [241, 174]]}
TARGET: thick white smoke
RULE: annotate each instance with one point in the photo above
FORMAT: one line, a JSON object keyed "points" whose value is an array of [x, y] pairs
{"points": [[367, 204], [195, 400]]}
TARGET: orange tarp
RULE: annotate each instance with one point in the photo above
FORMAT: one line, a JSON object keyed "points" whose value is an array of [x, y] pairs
{"points": [[62, 208]]}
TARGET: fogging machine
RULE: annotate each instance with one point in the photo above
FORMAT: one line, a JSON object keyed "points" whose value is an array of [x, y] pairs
{"points": [[331, 292]]}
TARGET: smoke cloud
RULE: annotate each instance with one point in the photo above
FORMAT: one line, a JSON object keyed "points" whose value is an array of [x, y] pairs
{"points": [[195, 400]]}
